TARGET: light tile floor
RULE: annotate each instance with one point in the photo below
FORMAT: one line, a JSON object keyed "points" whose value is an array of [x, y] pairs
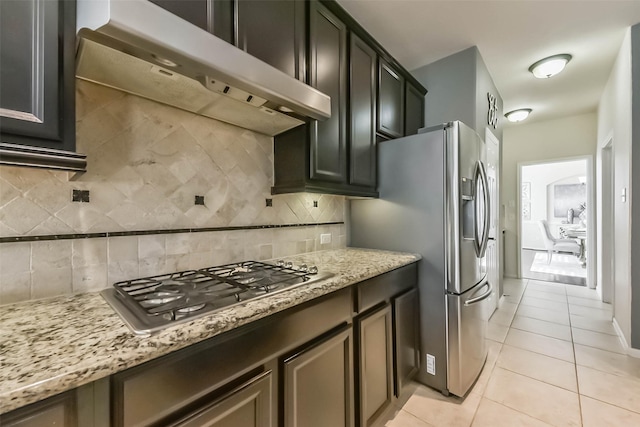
{"points": [[554, 360]]}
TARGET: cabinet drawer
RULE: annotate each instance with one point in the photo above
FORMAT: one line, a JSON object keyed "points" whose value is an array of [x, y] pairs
{"points": [[383, 287], [58, 410], [249, 405]]}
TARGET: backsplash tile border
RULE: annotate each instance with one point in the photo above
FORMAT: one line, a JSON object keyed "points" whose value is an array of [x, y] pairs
{"points": [[42, 269], [50, 237]]}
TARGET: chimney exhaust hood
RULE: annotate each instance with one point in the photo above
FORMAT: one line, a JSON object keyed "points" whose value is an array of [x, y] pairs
{"points": [[140, 48]]}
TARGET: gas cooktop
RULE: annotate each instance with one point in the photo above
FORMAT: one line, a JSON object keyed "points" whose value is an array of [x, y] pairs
{"points": [[150, 304]]}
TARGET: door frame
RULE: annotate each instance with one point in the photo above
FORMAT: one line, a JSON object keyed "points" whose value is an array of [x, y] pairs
{"points": [[591, 213]]}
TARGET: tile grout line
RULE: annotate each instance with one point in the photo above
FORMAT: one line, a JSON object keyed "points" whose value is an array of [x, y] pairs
{"points": [[575, 366]]}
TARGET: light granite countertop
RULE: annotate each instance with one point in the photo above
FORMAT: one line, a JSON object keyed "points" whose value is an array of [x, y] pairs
{"points": [[53, 345]]}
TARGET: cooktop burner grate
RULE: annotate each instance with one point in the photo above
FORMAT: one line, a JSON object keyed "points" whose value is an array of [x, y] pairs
{"points": [[178, 294], [150, 304]]}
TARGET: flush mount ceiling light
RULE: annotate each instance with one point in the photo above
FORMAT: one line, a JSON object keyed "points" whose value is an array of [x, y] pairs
{"points": [[550, 66], [518, 115], [164, 61]]}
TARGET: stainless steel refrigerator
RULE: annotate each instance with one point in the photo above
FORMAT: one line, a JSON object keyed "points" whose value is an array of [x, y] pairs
{"points": [[434, 200]]}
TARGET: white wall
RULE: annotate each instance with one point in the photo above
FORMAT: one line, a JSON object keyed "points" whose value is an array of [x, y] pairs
{"points": [[542, 177], [539, 141], [614, 121]]}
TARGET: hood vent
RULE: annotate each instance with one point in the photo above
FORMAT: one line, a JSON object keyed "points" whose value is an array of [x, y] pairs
{"points": [[140, 48]]}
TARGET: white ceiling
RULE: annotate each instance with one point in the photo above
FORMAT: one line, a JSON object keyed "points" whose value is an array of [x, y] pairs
{"points": [[511, 35]]}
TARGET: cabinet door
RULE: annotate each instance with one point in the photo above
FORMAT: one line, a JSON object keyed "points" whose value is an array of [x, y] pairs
{"points": [[375, 367], [362, 143], [328, 73], [318, 384], [214, 16], [390, 101], [274, 31], [414, 110], [247, 406], [59, 410], [37, 78], [406, 338]]}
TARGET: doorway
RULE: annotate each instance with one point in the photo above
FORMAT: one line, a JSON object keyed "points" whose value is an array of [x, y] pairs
{"points": [[554, 221]]}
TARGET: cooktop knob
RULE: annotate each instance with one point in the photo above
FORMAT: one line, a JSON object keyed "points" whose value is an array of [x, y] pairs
{"points": [[303, 268], [313, 270], [280, 263], [288, 264]]}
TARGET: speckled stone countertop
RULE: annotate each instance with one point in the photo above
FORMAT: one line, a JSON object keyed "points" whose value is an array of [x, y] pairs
{"points": [[53, 345]]}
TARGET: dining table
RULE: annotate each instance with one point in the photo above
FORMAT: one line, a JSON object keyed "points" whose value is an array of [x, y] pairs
{"points": [[578, 233]]}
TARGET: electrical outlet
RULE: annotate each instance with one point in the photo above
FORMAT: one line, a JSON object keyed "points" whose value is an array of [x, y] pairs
{"points": [[200, 200], [325, 239], [431, 364], [269, 202]]}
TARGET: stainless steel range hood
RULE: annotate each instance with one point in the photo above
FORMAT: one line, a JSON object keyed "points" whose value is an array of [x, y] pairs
{"points": [[138, 47]]}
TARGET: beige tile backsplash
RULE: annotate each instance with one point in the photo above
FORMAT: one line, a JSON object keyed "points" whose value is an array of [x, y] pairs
{"points": [[146, 164]]}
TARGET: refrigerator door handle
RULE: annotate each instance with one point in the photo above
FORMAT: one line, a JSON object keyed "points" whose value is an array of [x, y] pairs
{"points": [[482, 245], [481, 230], [476, 229], [482, 297]]}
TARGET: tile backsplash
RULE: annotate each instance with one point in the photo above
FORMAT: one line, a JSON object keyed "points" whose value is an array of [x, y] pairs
{"points": [[146, 164]]}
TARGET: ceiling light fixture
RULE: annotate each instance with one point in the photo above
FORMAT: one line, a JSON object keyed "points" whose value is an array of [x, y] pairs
{"points": [[164, 61], [550, 66], [518, 115]]}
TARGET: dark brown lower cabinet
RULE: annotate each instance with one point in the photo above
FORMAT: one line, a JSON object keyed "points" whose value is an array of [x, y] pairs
{"points": [[318, 384], [59, 411], [375, 364], [247, 406], [406, 338]]}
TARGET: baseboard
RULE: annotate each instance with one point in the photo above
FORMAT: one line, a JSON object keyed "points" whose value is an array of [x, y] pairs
{"points": [[630, 351]]}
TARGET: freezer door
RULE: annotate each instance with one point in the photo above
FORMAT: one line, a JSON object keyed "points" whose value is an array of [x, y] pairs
{"points": [[466, 332]]}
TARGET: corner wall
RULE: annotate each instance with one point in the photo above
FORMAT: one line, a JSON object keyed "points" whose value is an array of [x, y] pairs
{"points": [[635, 185], [451, 83], [614, 122]]}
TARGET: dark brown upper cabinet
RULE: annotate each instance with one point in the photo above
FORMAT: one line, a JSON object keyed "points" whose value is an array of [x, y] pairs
{"points": [[390, 100], [336, 156], [275, 32], [214, 16], [413, 110], [328, 73], [37, 84], [362, 135]]}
